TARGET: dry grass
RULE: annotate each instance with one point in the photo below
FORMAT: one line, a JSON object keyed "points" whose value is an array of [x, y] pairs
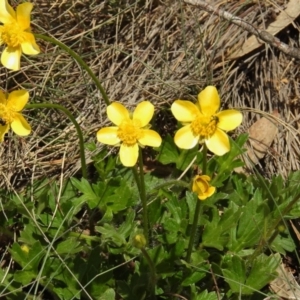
{"points": [[160, 51]]}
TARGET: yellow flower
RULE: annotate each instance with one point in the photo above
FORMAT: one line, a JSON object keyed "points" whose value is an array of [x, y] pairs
{"points": [[16, 34], [130, 131], [139, 241], [10, 115], [202, 188], [203, 122], [25, 248]]}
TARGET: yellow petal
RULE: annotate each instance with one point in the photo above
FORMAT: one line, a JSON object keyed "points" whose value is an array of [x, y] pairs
{"points": [[108, 136], [229, 119], [200, 185], [7, 14], [3, 130], [116, 112], [3, 99], [129, 155], [150, 138], [184, 111], [211, 190], [20, 125], [218, 143], [17, 100], [23, 14], [144, 113], [205, 177], [11, 57], [209, 100], [29, 46], [185, 139]]}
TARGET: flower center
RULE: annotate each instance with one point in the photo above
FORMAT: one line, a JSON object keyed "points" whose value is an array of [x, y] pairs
{"points": [[204, 126], [129, 132], [11, 34], [6, 115]]}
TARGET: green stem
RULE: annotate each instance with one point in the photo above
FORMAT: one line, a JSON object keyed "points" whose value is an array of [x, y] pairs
{"points": [[136, 178], [152, 270], [79, 60], [78, 129], [143, 196], [197, 212]]}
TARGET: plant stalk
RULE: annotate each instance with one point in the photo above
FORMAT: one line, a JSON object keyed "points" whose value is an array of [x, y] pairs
{"points": [[197, 211], [152, 270], [143, 196]]}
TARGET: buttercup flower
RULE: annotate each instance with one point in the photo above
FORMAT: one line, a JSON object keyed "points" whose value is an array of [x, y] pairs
{"points": [[10, 115], [201, 187], [16, 34], [203, 122], [130, 131]]}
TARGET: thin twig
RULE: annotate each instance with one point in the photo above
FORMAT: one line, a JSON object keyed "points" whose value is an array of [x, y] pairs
{"points": [[261, 34]]}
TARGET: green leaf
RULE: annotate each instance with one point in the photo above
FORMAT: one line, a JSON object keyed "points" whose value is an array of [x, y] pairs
{"points": [[168, 152], [191, 200], [187, 156], [199, 257], [24, 276], [207, 296], [251, 225], [282, 244], [120, 197], [69, 246], [66, 293], [214, 234], [29, 258], [110, 234], [127, 227], [173, 227], [234, 273], [263, 271], [109, 294], [193, 278], [259, 272], [178, 249], [88, 193]]}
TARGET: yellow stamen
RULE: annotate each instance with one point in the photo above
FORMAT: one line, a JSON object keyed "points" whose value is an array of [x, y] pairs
{"points": [[204, 126], [129, 132], [12, 35], [6, 115]]}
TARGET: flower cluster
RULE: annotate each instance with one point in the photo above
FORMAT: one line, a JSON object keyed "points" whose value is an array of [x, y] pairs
{"points": [[15, 34], [202, 123]]}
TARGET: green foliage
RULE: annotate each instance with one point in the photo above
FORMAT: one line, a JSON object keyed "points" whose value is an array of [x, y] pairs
{"points": [[75, 241]]}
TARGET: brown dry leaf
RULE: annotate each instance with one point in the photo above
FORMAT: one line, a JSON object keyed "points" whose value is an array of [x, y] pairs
{"points": [[285, 18], [261, 135], [285, 284], [297, 233]]}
